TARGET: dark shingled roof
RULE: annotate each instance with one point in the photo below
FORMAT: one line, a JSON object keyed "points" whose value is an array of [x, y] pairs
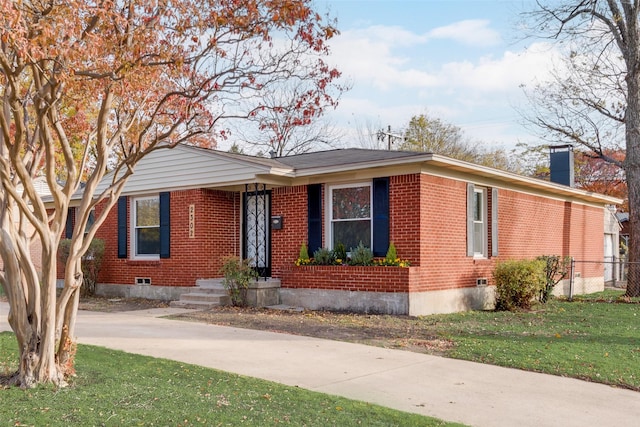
{"points": [[341, 157]]}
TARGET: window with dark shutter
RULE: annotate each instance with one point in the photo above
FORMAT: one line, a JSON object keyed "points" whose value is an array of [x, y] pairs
{"points": [[165, 226], [380, 216], [122, 227], [314, 212]]}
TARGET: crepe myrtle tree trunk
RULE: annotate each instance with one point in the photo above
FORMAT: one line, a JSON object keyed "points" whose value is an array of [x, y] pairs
{"points": [[32, 315], [87, 90]]}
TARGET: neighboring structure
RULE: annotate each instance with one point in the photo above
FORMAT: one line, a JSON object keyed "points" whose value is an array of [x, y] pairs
{"points": [[187, 208]]}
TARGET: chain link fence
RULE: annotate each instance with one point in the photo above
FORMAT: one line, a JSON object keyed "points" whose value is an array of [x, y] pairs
{"points": [[618, 273]]}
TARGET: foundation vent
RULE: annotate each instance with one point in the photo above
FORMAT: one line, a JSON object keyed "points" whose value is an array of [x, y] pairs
{"points": [[481, 281], [143, 280]]}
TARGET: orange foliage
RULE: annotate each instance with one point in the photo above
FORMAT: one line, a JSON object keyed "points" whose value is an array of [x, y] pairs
{"points": [[123, 77], [600, 176]]}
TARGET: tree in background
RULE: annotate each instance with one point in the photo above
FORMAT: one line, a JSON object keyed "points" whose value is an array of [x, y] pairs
{"points": [[88, 88], [432, 135], [595, 174], [591, 173], [593, 101], [290, 119]]}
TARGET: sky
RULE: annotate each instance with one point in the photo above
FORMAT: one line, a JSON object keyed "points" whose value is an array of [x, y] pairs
{"points": [[462, 61]]}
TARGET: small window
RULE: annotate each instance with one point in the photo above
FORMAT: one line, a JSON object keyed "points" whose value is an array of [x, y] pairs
{"points": [[478, 229], [479, 222], [146, 227], [350, 215]]}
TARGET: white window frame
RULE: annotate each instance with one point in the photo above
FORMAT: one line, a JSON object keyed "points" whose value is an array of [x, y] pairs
{"points": [[472, 191], [483, 222], [134, 227], [329, 210]]}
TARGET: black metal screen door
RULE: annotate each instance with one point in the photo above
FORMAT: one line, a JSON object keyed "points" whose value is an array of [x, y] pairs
{"points": [[257, 228]]}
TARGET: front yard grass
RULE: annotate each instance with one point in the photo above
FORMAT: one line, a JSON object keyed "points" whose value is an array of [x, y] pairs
{"points": [[596, 337], [116, 388]]}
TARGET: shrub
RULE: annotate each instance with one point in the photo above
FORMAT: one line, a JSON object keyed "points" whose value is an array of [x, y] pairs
{"points": [[304, 252], [303, 257], [323, 256], [361, 255], [518, 283], [392, 254], [237, 276], [340, 253], [392, 259], [556, 269], [90, 264]]}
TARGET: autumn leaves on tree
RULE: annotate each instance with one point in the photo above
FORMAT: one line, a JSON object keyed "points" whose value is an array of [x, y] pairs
{"points": [[91, 88]]}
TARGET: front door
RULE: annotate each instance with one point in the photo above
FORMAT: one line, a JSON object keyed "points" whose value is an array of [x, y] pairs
{"points": [[257, 228]]}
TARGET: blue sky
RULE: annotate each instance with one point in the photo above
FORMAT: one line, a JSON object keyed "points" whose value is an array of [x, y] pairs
{"points": [[462, 61]]}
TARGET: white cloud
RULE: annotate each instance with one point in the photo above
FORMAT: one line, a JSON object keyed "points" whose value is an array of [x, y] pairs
{"points": [[374, 57], [471, 32], [500, 75], [397, 74]]}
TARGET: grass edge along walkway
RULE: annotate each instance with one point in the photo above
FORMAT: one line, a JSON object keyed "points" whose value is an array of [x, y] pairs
{"points": [[118, 388]]}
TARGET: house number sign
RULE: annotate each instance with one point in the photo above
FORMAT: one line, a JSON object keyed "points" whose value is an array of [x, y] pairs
{"points": [[192, 221]]}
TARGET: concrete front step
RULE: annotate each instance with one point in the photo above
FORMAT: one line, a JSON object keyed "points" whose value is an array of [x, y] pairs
{"points": [[207, 293], [210, 293], [197, 305], [205, 297]]}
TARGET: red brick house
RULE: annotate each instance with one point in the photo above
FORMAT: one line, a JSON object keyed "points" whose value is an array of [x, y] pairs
{"points": [[185, 209]]}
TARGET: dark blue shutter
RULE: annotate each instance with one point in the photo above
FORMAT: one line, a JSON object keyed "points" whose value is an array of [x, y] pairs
{"points": [[380, 216], [68, 232], [165, 225], [314, 203], [122, 227]]}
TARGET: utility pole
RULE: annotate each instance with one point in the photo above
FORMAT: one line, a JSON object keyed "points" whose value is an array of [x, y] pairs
{"points": [[391, 137]]}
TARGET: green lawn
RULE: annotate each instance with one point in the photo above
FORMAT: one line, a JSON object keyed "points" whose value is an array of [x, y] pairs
{"points": [[115, 388], [595, 337]]}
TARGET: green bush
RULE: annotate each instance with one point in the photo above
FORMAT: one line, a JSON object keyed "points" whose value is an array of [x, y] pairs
{"points": [[91, 263], [518, 283], [323, 256], [237, 276], [361, 255], [304, 252], [392, 254], [340, 253]]}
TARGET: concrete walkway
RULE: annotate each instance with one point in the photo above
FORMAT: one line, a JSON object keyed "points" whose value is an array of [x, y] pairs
{"points": [[453, 390]]}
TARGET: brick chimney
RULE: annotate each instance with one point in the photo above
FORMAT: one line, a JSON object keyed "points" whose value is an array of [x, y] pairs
{"points": [[561, 164]]}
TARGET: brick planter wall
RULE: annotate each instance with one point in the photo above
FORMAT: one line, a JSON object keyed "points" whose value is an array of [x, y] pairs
{"points": [[349, 278]]}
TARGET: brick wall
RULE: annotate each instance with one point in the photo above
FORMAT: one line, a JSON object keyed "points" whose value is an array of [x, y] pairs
{"points": [[427, 225], [291, 204], [430, 231], [217, 229], [350, 278]]}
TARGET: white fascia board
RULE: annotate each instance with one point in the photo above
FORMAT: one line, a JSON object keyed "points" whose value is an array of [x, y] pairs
{"points": [[323, 170], [516, 179]]}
